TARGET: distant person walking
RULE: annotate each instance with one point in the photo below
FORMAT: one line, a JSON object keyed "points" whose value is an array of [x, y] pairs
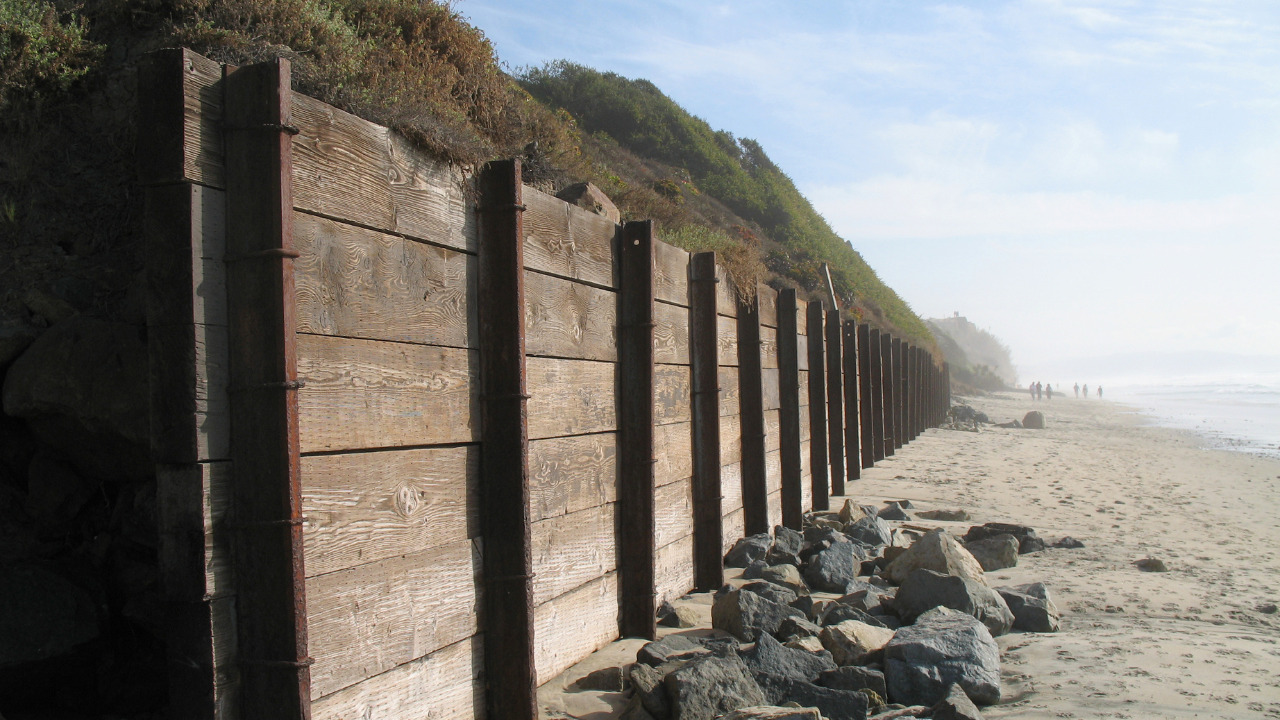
{"points": [[1077, 389], [1099, 392], [1086, 391], [1048, 391], [1039, 390], [1032, 388]]}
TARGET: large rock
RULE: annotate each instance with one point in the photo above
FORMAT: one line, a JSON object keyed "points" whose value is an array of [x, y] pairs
{"points": [[768, 656], [83, 389], [939, 551], [746, 615], [955, 705], [994, 553], [42, 615], [592, 199], [924, 590], [835, 567], [854, 677], [1033, 420], [771, 712], [787, 544], [710, 686], [855, 643], [748, 549], [794, 627], [1028, 541], [649, 688], [944, 646], [869, 530], [833, 704], [894, 511], [787, 576], [1032, 608], [669, 648], [837, 613], [771, 591]]}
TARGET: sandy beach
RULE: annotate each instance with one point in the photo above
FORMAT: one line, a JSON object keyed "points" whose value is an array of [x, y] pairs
{"points": [[1189, 642]]}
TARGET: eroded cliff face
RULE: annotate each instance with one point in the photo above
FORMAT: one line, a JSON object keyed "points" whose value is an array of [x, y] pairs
{"points": [[966, 345]]}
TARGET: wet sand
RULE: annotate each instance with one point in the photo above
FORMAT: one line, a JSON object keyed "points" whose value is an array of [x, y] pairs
{"points": [[1190, 642]]}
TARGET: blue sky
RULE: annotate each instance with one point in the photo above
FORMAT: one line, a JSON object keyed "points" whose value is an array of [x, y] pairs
{"points": [[1081, 178]]}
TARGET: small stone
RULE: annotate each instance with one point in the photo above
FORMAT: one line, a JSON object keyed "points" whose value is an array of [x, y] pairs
{"points": [[1032, 609], [995, 553], [605, 680], [711, 686], [794, 627], [788, 576], [1069, 543], [833, 704], [772, 712], [893, 511], [772, 591], [1033, 420], [869, 530], [754, 570], [681, 616], [1028, 541], [753, 547], [1151, 564], [835, 567], [924, 590], [944, 515], [1267, 608], [855, 643]]}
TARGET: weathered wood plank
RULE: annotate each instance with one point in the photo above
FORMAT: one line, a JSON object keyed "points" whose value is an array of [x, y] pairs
{"points": [[351, 169], [750, 386], [768, 347], [673, 512], [226, 652], [775, 509], [368, 619], [571, 474], [448, 683], [572, 550], [769, 388], [565, 240], [671, 274], [570, 397], [672, 452], [180, 118], [365, 507], [569, 319], [730, 394], [369, 394], [731, 441], [732, 528], [773, 473], [670, 334], [726, 295], [731, 487], [356, 282], [772, 430], [672, 394], [574, 625], [674, 574], [767, 298], [789, 410], [726, 340]]}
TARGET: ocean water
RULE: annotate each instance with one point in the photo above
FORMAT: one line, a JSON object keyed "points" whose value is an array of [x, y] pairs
{"points": [[1235, 412]]}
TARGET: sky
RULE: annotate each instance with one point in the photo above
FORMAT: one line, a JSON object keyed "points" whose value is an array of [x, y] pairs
{"points": [[1097, 183]]}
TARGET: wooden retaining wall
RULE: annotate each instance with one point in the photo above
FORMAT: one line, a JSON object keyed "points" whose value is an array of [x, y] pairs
{"points": [[425, 441]]}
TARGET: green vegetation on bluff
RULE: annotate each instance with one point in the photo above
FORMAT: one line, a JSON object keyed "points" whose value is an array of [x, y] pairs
{"points": [[66, 91]]}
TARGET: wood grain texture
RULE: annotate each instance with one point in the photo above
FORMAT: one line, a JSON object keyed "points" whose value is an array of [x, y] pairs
{"points": [[369, 619], [730, 439], [571, 474], [672, 453], [226, 651], [731, 487], [572, 550], [219, 580], [775, 509], [726, 340], [353, 170], [732, 531], [565, 240], [672, 399], [355, 282], [768, 347], [730, 394], [670, 334], [569, 319], [806, 486], [670, 274], [203, 160], [773, 472], [726, 296], [674, 574], [673, 512], [570, 397], [769, 388], [772, 430], [767, 297], [366, 507], [574, 625], [369, 394], [448, 683]]}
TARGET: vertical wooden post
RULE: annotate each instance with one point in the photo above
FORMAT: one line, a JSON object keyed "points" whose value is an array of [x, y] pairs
{"points": [[636, 528], [708, 529], [789, 406], [266, 497], [899, 386], [835, 402], [909, 395], [510, 678], [755, 491], [852, 411], [818, 407], [890, 393], [866, 414], [917, 371], [876, 362]]}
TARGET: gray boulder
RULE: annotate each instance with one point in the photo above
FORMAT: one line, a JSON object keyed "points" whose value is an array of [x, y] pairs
{"points": [[1033, 420], [787, 576], [752, 547], [746, 615], [771, 591], [607, 679], [770, 657], [855, 643], [835, 567], [668, 648], [794, 627], [832, 703], [1033, 610], [924, 590], [937, 550], [754, 570], [677, 616], [869, 530], [955, 705], [649, 688], [944, 646], [837, 613], [893, 511], [710, 686], [1028, 541], [786, 540], [994, 553], [854, 677]]}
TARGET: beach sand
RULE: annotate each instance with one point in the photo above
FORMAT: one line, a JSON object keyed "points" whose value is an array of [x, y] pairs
{"points": [[1189, 642]]}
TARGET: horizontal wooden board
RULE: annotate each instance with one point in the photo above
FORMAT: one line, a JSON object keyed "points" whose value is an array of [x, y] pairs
{"points": [[806, 478], [353, 170], [565, 240], [448, 683], [730, 393], [673, 569], [732, 529], [570, 397], [802, 350], [730, 439], [569, 628], [363, 507], [768, 299], [672, 452], [769, 388], [726, 341], [768, 347], [370, 394], [773, 470], [356, 282], [203, 160], [571, 474], [673, 512], [670, 334], [775, 509], [772, 430], [726, 295], [730, 486], [671, 394], [670, 274], [563, 318], [572, 550], [369, 619]]}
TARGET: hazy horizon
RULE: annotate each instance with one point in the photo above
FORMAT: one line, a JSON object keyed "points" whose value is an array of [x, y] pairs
{"points": [[1081, 179]]}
